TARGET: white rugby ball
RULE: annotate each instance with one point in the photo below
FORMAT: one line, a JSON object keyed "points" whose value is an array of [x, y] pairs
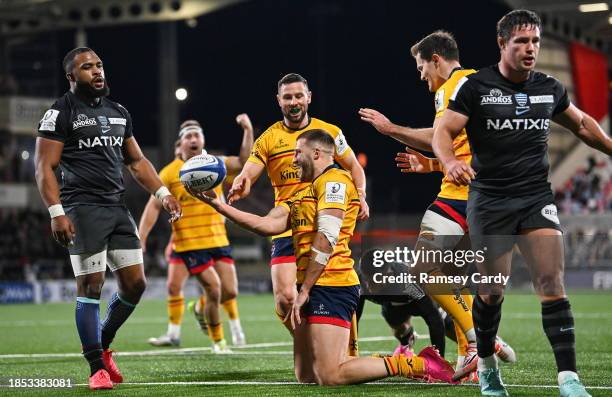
{"points": [[202, 172]]}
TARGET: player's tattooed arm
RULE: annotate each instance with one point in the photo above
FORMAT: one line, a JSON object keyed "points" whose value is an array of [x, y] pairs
{"points": [[143, 171], [586, 128]]}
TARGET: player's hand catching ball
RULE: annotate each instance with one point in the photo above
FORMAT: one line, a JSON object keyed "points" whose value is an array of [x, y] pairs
{"points": [[171, 204], [240, 189]]}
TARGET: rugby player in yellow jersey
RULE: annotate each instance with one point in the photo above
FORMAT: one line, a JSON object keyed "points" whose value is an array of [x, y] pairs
{"points": [[444, 224], [200, 245], [273, 151], [322, 219]]}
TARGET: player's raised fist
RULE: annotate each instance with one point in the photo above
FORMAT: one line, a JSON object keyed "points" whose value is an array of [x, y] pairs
{"points": [[244, 121]]}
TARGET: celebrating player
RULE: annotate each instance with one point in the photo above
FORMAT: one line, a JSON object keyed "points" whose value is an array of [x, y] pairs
{"points": [[322, 219], [200, 242], [506, 109], [273, 151], [443, 225], [90, 138]]}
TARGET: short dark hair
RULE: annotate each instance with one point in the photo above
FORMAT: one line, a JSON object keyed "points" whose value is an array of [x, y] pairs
{"points": [[517, 19], [439, 42], [292, 78], [319, 136], [68, 62]]}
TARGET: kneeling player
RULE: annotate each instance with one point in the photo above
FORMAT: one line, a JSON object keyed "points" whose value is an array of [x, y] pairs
{"points": [[322, 219]]}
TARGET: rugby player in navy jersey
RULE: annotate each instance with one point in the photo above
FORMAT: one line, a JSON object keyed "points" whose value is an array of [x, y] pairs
{"points": [[506, 110], [90, 138]]}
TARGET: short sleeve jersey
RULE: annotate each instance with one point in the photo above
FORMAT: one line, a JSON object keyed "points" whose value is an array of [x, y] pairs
{"points": [[91, 165], [201, 226], [461, 146], [508, 129], [274, 149], [334, 188]]}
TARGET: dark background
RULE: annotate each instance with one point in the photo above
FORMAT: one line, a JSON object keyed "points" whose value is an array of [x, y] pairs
{"points": [[353, 54]]}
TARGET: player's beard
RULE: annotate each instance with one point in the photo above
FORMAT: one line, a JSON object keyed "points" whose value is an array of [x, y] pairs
{"points": [[292, 119], [87, 90], [306, 170]]}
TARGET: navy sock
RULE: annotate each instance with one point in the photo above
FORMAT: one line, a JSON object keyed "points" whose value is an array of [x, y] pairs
{"points": [[118, 311], [87, 316], [486, 322], [558, 324]]}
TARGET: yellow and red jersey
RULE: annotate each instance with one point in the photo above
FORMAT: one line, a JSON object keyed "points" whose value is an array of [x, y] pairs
{"points": [[461, 146], [334, 188], [200, 227], [274, 149]]}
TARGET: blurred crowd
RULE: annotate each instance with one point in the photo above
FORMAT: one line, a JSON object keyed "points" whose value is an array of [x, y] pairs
{"points": [[588, 191]]}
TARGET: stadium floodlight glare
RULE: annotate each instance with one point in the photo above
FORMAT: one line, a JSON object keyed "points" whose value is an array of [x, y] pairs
{"points": [[181, 94], [593, 7], [25, 155], [610, 20]]}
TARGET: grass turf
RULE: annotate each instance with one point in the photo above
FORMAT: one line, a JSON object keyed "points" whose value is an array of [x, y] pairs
{"points": [[49, 329]]}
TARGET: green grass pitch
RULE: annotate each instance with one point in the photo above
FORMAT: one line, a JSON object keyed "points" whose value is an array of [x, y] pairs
{"points": [[40, 341]]}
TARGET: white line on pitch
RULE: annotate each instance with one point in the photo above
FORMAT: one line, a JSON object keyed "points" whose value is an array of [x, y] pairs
{"points": [[163, 320], [161, 352], [256, 383]]}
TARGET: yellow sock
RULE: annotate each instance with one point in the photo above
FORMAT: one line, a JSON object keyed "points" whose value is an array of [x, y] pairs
{"points": [[176, 309], [413, 366], [231, 308], [215, 332], [462, 341], [453, 302], [201, 304], [353, 347]]}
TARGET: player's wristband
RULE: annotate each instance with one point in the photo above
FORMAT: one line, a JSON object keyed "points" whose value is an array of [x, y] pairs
{"points": [[56, 210], [320, 257], [162, 192]]}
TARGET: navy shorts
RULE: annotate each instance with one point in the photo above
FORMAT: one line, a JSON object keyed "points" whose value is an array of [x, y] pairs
{"points": [[101, 228], [331, 305], [199, 260], [282, 251]]}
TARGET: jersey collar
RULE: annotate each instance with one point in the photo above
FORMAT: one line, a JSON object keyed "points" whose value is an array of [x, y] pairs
{"points": [[325, 170], [297, 129], [454, 70]]}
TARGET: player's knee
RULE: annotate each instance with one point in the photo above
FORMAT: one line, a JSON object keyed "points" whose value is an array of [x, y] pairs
{"points": [[549, 284], [328, 378], [91, 290], [213, 293], [285, 297], [229, 294], [174, 288], [136, 288], [304, 376]]}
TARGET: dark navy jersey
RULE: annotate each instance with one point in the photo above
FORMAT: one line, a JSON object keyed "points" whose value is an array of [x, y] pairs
{"points": [[91, 165], [508, 129]]}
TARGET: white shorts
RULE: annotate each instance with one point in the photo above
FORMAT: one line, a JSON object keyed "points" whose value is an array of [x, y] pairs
{"points": [[439, 231], [83, 264]]}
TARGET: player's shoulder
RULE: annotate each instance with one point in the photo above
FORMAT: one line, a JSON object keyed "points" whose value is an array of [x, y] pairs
{"points": [[334, 174], [172, 167], [115, 105], [315, 123], [272, 131], [547, 79]]}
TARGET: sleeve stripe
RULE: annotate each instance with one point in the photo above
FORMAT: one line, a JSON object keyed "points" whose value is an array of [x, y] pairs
{"points": [[457, 88]]}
